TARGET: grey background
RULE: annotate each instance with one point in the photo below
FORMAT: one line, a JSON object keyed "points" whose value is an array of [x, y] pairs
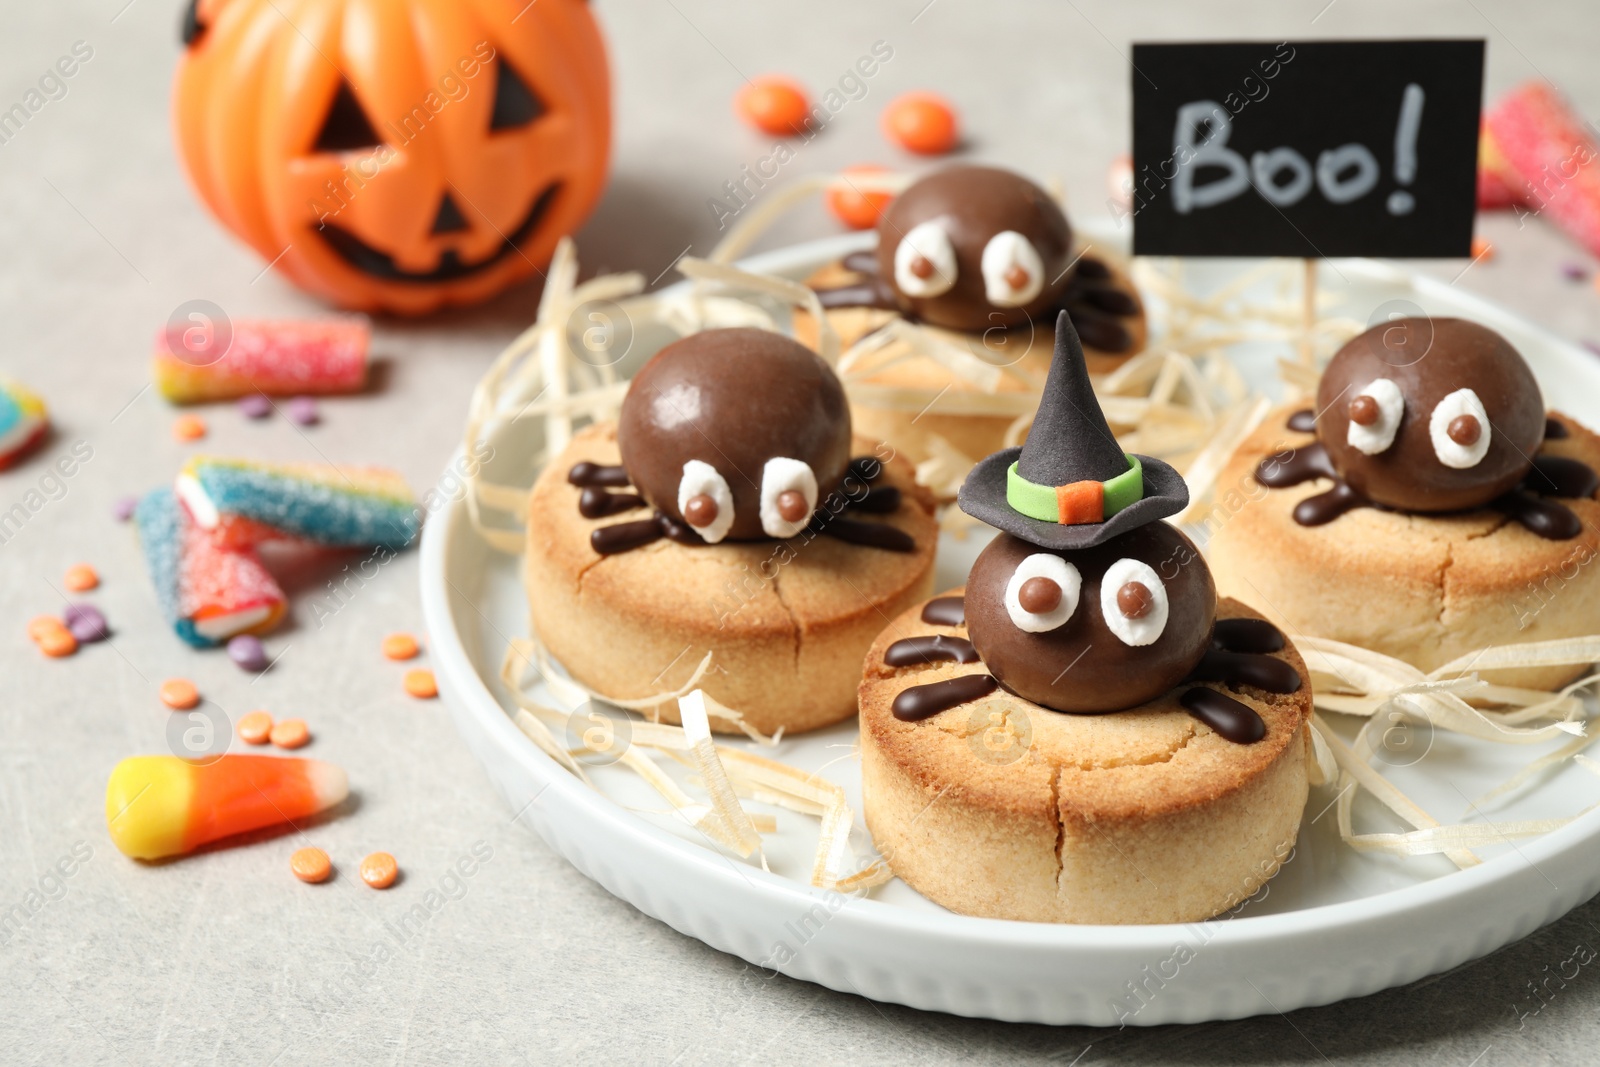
{"points": [[224, 957]]}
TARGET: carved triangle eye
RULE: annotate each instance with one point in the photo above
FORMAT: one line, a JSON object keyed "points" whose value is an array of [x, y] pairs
{"points": [[515, 103], [346, 129]]}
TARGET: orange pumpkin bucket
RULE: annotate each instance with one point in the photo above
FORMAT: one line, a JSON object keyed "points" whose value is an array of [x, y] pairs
{"points": [[397, 156]]}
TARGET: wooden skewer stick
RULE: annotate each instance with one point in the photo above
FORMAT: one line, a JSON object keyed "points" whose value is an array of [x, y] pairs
{"points": [[1308, 311]]}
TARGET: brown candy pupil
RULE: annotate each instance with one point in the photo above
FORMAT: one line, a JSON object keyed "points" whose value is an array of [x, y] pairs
{"points": [[701, 511], [1017, 278], [1039, 595], [922, 267], [1134, 600], [1363, 411], [792, 505], [1464, 430]]}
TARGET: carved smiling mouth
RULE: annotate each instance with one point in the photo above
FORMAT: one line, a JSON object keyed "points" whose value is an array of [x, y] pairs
{"points": [[363, 257]]}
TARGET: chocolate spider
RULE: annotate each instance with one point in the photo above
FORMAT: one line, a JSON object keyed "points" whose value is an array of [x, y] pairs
{"points": [[738, 435], [973, 248], [1431, 415]]}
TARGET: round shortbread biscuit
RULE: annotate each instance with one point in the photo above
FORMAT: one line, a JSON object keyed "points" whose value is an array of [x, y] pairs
{"points": [[957, 416], [1425, 589], [1006, 809], [786, 622]]}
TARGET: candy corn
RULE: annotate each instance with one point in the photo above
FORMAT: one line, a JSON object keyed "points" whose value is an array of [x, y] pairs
{"points": [[242, 502], [160, 806], [208, 591], [23, 421], [275, 358], [1555, 158]]}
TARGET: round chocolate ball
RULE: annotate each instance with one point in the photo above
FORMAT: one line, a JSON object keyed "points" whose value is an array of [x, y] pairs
{"points": [[972, 205], [1081, 665], [1428, 359], [733, 399]]}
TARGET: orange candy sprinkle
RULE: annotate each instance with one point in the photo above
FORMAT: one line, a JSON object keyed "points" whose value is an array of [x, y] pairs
{"points": [[179, 694], [57, 643], [1482, 249], [188, 428], [420, 683], [924, 123], [290, 733], [773, 105], [255, 728], [311, 865], [400, 646], [40, 625], [81, 578], [856, 207], [379, 870]]}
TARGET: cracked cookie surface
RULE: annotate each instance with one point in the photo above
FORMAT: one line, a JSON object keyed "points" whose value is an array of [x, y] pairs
{"points": [[1002, 808]]}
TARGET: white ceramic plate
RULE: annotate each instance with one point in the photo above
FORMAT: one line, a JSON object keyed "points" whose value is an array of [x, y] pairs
{"points": [[1332, 924]]}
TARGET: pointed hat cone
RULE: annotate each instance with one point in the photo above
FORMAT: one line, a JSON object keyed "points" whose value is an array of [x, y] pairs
{"points": [[1069, 449]]}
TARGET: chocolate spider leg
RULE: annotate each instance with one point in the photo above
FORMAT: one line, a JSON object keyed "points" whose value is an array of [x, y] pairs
{"points": [[1325, 507], [623, 536], [871, 293], [1561, 476], [599, 474], [1298, 466], [862, 262], [1546, 518], [867, 468], [872, 534], [1246, 668], [925, 701], [1236, 722], [596, 502], [929, 648], [1246, 635], [883, 500]]}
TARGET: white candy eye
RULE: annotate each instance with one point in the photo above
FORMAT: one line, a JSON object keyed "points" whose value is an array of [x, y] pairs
{"points": [[1460, 430], [788, 497], [704, 501], [1133, 602], [1380, 407], [1042, 593], [924, 261], [1013, 273]]}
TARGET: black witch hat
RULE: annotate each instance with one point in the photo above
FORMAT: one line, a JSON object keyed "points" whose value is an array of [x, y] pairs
{"points": [[1070, 485]]}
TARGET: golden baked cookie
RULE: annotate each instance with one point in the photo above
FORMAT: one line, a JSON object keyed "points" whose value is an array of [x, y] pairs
{"points": [[786, 621], [1423, 588], [1003, 808]]}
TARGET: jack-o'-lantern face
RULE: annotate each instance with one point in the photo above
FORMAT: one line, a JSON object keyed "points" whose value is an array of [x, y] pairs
{"points": [[397, 155]]}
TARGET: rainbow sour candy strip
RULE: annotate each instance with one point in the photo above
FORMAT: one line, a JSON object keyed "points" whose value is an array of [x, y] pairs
{"points": [[276, 358], [208, 591], [160, 806], [23, 421], [242, 501]]}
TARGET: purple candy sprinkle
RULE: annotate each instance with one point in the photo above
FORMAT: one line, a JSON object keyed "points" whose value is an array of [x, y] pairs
{"points": [[255, 406], [1593, 346], [247, 653], [303, 410], [86, 622], [124, 508]]}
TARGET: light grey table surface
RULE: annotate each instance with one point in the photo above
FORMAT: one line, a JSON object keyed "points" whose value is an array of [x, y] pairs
{"points": [[225, 958]]}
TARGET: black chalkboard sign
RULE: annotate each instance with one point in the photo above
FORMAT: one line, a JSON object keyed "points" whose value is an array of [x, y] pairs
{"points": [[1307, 149]]}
